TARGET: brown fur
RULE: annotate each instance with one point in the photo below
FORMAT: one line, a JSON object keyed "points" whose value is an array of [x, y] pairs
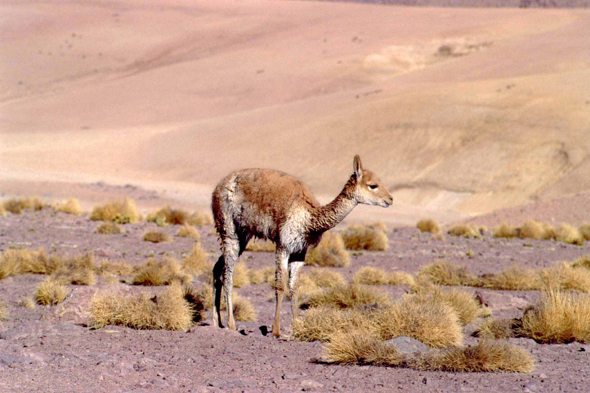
{"points": [[273, 205]]}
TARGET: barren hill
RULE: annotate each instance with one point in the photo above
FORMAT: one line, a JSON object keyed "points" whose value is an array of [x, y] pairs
{"points": [[460, 111]]}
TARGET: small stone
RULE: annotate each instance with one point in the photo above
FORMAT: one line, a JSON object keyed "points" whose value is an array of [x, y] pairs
{"points": [[310, 384], [408, 345]]}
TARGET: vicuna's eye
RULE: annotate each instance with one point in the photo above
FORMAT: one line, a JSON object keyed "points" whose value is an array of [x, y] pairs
{"points": [[373, 186]]}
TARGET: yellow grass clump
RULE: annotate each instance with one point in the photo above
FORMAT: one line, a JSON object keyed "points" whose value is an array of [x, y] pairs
{"points": [[27, 302], [169, 216], [464, 303], [199, 219], [429, 225], [569, 234], [559, 317], [321, 323], [122, 212], [71, 206], [496, 328], [564, 277], [326, 278], [51, 292], [348, 296], [368, 275], [188, 232], [167, 310], [444, 273], [358, 347], [15, 262], [330, 252], [118, 268], [582, 262], [513, 278], [156, 236], [18, 205], [259, 245], [241, 275], [486, 356], [532, 230], [2, 210], [77, 270], [197, 261], [585, 231], [109, 228], [505, 231], [160, 272], [465, 230], [365, 237]]}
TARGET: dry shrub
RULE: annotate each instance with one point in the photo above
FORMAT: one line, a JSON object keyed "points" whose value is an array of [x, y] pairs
{"points": [[563, 276], [569, 234], [27, 302], [117, 268], [349, 296], [109, 228], [585, 231], [429, 225], [2, 210], [259, 245], [200, 219], [77, 270], [330, 252], [259, 276], [15, 262], [486, 356], [532, 230], [326, 278], [513, 278], [160, 272], [17, 205], [197, 261], [189, 232], [465, 230], [71, 206], [375, 276], [505, 231], [122, 212], [365, 237], [51, 292], [358, 347], [464, 303], [169, 216], [156, 236], [202, 301], [321, 323], [243, 309], [496, 328], [241, 275], [582, 262], [444, 273], [167, 310], [559, 317]]}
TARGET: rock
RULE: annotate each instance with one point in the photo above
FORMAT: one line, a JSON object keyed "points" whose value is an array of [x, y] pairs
{"points": [[408, 345], [310, 384]]}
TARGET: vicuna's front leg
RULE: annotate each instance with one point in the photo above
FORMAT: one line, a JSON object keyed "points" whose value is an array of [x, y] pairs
{"points": [[282, 260]]}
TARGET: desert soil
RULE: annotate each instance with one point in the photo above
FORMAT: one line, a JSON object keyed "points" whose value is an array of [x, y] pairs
{"points": [[50, 348]]}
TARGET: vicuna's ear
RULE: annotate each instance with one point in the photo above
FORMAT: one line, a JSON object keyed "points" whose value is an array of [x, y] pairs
{"points": [[358, 167]]}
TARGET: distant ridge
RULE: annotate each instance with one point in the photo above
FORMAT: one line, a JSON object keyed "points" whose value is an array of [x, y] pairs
{"points": [[476, 3]]}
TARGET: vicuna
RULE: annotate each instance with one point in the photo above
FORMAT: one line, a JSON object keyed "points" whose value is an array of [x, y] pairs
{"points": [[273, 205]]}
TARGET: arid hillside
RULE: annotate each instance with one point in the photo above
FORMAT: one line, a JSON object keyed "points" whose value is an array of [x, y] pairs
{"points": [[460, 111]]}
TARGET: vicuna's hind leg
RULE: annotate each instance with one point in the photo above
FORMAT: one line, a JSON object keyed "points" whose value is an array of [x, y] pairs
{"points": [[217, 287], [293, 270], [223, 278], [282, 261]]}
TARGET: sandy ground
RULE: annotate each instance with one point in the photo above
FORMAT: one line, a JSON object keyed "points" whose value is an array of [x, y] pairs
{"points": [[51, 349]]}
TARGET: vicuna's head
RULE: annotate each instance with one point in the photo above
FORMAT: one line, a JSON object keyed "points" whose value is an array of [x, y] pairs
{"points": [[367, 188]]}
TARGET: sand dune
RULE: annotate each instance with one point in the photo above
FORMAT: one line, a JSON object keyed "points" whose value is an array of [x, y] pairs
{"points": [[461, 111]]}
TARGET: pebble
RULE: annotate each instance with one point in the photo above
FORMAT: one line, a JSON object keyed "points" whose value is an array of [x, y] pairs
{"points": [[310, 384]]}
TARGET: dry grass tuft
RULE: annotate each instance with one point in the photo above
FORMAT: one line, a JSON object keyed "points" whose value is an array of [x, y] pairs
{"points": [[197, 261], [15, 262], [118, 268], [3, 312], [169, 216], [373, 276], [18, 205], [77, 270], [464, 303], [565, 277], [2, 210], [263, 275], [358, 347], [241, 274], [109, 228], [122, 212], [582, 262], [330, 252], [71, 206], [200, 219], [365, 237], [51, 292], [167, 310], [243, 309], [321, 323], [513, 278], [585, 231], [189, 232], [444, 273], [429, 225], [27, 302], [486, 356], [326, 278], [532, 230], [496, 329], [465, 230], [349, 296], [559, 317], [160, 272], [258, 245], [156, 236], [569, 234], [505, 231]]}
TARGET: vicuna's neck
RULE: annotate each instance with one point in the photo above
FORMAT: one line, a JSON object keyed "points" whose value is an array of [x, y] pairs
{"points": [[327, 217]]}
